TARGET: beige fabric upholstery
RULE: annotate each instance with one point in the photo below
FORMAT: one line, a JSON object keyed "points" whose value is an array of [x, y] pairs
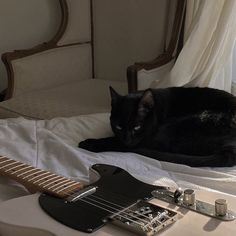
{"points": [[52, 68], [6, 113], [75, 98], [78, 28], [146, 77], [58, 82]]}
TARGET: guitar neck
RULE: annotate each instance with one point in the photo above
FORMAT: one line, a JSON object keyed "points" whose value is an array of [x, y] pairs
{"points": [[37, 179]]}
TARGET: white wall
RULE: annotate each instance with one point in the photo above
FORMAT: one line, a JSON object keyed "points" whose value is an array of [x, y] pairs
{"points": [[127, 31], [26, 23]]}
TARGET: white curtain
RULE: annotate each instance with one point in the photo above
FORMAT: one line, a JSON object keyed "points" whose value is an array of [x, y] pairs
{"points": [[206, 58]]}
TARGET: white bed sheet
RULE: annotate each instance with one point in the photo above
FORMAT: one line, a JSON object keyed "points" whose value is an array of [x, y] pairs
{"points": [[52, 145]]}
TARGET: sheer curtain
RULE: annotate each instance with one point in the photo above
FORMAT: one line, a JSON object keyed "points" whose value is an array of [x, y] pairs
{"points": [[206, 57]]}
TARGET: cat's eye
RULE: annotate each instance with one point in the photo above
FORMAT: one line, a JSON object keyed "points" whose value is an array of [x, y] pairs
{"points": [[118, 127], [138, 127]]}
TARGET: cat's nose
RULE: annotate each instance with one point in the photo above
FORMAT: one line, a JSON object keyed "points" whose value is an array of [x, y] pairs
{"points": [[128, 140], [128, 143]]}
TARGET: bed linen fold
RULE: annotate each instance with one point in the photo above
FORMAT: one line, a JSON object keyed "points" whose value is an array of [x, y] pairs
{"points": [[52, 145]]}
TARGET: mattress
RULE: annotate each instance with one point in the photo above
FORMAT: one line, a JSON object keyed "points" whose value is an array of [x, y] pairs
{"points": [[53, 145]]}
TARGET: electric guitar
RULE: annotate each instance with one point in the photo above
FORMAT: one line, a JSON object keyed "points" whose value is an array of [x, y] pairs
{"points": [[64, 207]]}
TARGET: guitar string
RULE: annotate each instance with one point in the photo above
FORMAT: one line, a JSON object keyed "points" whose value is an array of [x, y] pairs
{"points": [[107, 192], [115, 195], [74, 194], [132, 211], [127, 215], [45, 173], [117, 214], [124, 211], [116, 210], [122, 207], [34, 173], [114, 213], [120, 197], [103, 204], [103, 199]]}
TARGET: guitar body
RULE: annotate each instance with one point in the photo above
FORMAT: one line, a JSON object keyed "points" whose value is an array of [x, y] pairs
{"points": [[114, 185], [24, 217], [44, 215]]}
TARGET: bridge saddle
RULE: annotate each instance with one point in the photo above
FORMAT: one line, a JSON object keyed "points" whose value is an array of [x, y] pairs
{"points": [[144, 218]]}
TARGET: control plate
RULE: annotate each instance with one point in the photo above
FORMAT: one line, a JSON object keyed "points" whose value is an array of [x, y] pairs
{"points": [[199, 206]]}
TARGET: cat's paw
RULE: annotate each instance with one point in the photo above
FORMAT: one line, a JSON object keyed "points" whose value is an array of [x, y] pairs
{"points": [[90, 145]]}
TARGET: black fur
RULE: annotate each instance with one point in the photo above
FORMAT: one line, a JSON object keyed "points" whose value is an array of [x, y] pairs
{"points": [[192, 126]]}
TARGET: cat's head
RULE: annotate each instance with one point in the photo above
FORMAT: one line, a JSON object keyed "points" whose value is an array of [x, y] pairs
{"points": [[131, 116]]}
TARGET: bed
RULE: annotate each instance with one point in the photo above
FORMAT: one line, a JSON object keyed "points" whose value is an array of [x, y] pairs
{"points": [[52, 145]]}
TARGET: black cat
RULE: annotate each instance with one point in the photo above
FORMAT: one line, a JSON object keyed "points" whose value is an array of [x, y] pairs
{"points": [[192, 126]]}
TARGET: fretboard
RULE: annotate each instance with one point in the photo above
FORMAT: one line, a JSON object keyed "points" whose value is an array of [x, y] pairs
{"points": [[40, 180]]}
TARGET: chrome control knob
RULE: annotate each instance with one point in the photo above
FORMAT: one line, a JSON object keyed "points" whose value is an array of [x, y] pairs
{"points": [[177, 194], [221, 207], [189, 197]]}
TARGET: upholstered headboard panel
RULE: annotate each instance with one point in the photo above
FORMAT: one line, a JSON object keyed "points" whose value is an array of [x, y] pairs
{"points": [[65, 58], [52, 67], [96, 38]]}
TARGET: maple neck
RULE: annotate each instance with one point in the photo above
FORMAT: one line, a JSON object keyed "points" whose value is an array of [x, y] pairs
{"points": [[37, 179]]}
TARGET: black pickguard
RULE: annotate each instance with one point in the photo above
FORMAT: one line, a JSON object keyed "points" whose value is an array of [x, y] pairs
{"points": [[115, 185]]}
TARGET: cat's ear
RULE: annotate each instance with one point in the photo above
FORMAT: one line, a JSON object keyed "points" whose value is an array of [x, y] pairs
{"points": [[147, 100], [114, 94]]}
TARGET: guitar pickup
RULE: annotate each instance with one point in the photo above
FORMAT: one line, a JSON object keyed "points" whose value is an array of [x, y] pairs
{"points": [[81, 194]]}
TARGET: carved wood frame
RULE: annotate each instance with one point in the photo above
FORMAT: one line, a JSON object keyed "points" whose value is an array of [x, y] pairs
{"points": [[132, 71], [167, 56], [51, 44]]}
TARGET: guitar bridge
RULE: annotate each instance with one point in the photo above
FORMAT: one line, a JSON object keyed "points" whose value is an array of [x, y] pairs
{"points": [[144, 218]]}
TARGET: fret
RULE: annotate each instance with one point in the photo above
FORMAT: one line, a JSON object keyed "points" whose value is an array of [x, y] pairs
{"points": [[7, 165], [14, 167], [64, 186], [37, 179], [28, 171], [4, 161], [54, 178], [53, 187], [35, 173], [7, 159], [74, 184], [46, 177], [3, 157]]}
